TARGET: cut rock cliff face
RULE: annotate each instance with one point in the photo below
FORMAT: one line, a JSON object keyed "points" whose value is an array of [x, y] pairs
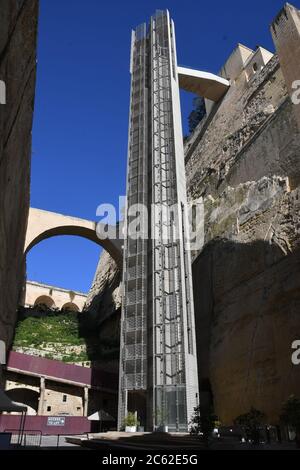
{"points": [[103, 307], [247, 299], [104, 297], [17, 69], [245, 166]]}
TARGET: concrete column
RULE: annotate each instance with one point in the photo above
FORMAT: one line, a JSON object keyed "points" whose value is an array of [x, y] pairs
{"points": [[42, 396], [286, 36], [85, 401]]}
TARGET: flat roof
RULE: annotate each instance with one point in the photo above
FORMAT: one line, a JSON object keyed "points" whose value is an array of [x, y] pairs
{"points": [[60, 371], [61, 289]]}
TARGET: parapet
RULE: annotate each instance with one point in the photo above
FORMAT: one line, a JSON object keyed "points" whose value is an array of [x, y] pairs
{"points": [[285, 30], [285, 20], [245, 59], [236, 62]]}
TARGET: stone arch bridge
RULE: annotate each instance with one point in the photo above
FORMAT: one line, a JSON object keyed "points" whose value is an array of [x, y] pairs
{"points": [[44, 224]]}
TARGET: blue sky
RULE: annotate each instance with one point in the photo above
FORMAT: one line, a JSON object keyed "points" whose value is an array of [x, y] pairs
{"points": [[82, 99]]}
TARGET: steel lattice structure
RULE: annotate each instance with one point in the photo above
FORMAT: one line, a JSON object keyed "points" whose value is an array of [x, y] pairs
{"points": [[158, 366]]}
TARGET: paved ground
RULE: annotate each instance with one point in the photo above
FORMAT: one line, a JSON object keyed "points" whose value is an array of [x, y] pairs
{"points": [[36, 441], [54, 441], [163, 441], [143, 441]]}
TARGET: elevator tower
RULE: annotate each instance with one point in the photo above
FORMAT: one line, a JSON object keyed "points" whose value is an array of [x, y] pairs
{"points": [[158, 365]]}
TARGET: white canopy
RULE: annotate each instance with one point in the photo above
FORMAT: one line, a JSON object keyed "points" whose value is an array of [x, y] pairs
{"points": [[6, 404], [204, 84], [101, 415]]}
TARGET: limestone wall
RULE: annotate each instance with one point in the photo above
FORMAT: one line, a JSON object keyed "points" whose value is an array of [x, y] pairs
{"points": [[244, 161], [247, 299], [59, 399], [103, 307], [17, 69], [62, 400], [104, 297], [253, 124], [286, 35]]}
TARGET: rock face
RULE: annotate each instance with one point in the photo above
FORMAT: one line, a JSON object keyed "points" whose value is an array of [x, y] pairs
{"points": [[247, 299], [253, 133], [103, 308], [243, 160], [17, 69], [104, 297]]}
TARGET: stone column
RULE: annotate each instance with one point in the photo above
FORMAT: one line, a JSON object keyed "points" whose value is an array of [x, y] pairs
{"points": [[285, 30], [42, 396], [85, 401]]}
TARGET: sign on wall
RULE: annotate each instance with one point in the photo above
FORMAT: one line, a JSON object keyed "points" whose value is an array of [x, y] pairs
{"points": [[56, 421]]}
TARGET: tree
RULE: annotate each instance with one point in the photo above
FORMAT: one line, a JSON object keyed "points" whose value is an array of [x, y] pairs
{"points": [[197, 114], [291, 415], [203, 423], [251, 422]]}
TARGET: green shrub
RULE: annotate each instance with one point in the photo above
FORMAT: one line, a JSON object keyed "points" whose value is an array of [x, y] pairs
{"points": [[131, 419], [35, 332], [59, 331]]}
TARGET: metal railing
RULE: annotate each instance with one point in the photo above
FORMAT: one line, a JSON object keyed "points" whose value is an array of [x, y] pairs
{"points": [[31, 438], [35, 438]]}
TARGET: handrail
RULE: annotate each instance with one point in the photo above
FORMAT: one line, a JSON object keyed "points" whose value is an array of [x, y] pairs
{"points": [[24, 433]]}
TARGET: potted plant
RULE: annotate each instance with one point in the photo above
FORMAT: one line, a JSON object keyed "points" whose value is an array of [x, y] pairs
{"points": [[161, 420], [131, 422]]}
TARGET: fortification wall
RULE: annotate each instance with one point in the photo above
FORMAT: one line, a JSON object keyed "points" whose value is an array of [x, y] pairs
{"points": [[244, 161], [17, 69]]}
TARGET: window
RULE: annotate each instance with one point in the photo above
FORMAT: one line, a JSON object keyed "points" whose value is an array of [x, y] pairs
{"points": [[255, 67], [64, 398], [48, 408], [78, 408]]}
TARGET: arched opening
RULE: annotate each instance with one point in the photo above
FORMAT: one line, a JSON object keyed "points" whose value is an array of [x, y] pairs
{"points": [[70, 307], [25, 396], [44, 302], [67, 264], [64, 261]]}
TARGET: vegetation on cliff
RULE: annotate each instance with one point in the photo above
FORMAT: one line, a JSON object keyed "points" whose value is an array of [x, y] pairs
{"points": [[35, 331], [68, 337]]}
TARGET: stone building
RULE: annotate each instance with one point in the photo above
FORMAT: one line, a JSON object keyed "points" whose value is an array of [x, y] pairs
{"points": [[42, 295], [53, 388], [243, 165], [17, 70]]}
